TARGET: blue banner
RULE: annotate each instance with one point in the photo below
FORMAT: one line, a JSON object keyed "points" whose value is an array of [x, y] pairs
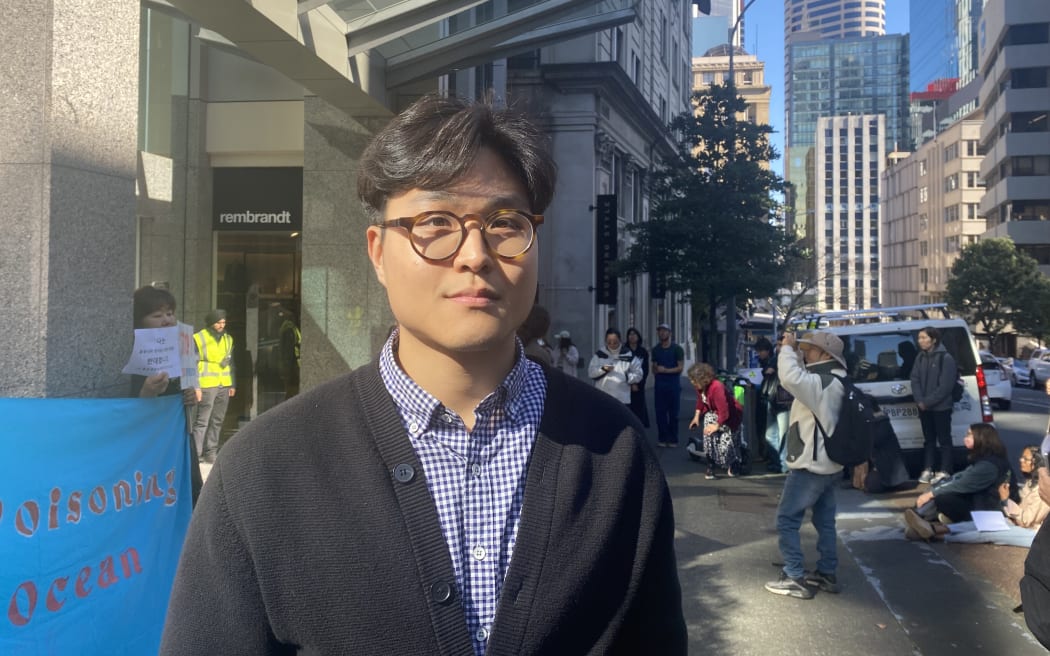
{"points": [[94, 505]]}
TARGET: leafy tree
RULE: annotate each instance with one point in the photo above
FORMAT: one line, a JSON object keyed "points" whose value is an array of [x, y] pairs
{"points": [[994, 285], [712, 233]]}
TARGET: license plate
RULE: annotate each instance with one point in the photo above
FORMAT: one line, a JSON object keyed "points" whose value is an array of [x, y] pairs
{"points": [[895, 411]]}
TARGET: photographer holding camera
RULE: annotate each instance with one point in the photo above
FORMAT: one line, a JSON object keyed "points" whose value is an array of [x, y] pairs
{"points": [[215, 369]]}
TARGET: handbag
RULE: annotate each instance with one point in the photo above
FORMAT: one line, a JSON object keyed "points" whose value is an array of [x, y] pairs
{"points": [[782, 398]]}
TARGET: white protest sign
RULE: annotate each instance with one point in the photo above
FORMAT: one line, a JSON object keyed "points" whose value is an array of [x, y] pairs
{"points": [[188, 356], [155, 350]]}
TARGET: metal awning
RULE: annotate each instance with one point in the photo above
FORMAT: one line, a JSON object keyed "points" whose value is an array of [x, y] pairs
{"points": [[339, 49]]}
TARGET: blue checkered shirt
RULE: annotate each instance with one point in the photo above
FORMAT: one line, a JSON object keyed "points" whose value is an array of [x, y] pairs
{"points": [[477, 478]]}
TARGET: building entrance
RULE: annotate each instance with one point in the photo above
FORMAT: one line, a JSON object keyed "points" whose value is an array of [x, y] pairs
{"points": [[259, 285]]}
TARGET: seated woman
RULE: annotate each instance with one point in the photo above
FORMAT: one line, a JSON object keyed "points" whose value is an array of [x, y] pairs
{"points": [[974, 488], [1032, 510]]}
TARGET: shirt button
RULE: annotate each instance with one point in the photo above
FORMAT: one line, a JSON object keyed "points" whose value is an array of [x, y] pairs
{"points": [[482, 634], [441, 592], [475, 469], [448, 418], [478, 552], [413, 428], [404, 473]]}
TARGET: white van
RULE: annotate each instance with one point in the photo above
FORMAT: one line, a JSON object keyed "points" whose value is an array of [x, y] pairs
{"points": [[879, 356]]}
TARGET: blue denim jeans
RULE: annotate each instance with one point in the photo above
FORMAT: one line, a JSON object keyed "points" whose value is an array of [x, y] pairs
{"points": [[667, 401], [804, 489], [776, 429]]}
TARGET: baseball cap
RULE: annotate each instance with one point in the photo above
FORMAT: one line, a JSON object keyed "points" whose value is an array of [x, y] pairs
{"points": [[663, 326]]}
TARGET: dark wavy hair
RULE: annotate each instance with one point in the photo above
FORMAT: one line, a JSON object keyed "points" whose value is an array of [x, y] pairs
{"points": [[147, 300], [986, 442], [1032, 480], [433, 143]]}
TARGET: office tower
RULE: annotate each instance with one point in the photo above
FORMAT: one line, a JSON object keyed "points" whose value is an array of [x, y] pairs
{"points": [[1015, 136], [840, 77], [834, 18], [943, 62], [713, 29], [849, 158]]}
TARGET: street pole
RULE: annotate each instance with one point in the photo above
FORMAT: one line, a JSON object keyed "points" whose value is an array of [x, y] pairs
{"points": [[731, 354]]}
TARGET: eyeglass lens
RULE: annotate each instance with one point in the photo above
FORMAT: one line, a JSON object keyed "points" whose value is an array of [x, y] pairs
{"points": [[438, 235]]}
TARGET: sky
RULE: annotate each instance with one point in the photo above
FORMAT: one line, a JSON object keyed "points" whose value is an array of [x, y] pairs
{"points": [[764, 37]]}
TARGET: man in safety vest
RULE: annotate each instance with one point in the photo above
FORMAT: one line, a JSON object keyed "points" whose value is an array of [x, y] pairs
{"points": [[215, 370]]}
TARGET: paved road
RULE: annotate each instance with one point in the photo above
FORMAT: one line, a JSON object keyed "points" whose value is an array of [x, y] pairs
{"points": [[899, 597]]}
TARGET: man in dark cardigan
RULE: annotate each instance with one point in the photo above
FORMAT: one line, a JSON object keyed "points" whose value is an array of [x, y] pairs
{"points": [[452, 496]]}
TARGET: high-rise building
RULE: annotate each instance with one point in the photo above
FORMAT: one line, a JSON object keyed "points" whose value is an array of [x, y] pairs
{"points": [[712, 29], [834, 18], [848, 158], [930, 213], [1015, 137], [943, 50], [840, 77]]}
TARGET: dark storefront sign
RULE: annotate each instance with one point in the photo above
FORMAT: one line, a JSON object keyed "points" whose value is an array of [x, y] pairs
{"points": [[257, 198], [605, 249]]}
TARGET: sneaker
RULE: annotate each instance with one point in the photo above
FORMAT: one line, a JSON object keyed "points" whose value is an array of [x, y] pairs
{"points": [[938, 477], [826, 582], [926, 476], [790, 587], [944, 519], [911, 534], [921, 527], [710, 475]]}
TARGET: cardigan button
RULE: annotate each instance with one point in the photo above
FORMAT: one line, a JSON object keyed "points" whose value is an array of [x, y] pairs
{"points": [[441, 592], [404, 473]]}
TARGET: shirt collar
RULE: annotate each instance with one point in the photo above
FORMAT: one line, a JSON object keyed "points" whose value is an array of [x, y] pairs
{"points": [[413, 400]]}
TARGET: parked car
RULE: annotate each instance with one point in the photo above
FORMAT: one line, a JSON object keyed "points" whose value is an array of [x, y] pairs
{"points": [[879, 358], [1021, 377], [997, 378], [1039, 367]]}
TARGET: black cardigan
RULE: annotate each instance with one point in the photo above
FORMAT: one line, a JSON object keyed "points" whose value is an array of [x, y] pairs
{"points": [[312, 537]]}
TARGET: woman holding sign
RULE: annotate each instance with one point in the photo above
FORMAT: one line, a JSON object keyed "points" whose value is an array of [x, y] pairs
{"points": [[155, 308]]}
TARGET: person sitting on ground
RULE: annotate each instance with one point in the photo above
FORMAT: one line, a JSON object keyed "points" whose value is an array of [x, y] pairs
{"points": [[1031, 510], [720, 418], [974, 488]]}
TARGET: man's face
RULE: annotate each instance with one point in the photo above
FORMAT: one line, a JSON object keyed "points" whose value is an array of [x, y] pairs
{"points": [[663, 334], [219, 325], [925, 342], [810, 353], [474, 300]]}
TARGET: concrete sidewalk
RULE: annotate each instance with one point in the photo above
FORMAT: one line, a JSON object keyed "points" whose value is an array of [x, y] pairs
{"points": [[898, 597]]}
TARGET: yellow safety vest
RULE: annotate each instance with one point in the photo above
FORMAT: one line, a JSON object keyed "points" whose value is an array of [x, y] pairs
{"points": [[212, 352]]}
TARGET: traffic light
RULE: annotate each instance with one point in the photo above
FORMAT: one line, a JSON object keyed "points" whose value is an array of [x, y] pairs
{"points": [[703, 6]]}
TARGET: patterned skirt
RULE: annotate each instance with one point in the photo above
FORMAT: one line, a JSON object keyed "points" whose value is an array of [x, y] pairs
{"points": [[723, 446]]}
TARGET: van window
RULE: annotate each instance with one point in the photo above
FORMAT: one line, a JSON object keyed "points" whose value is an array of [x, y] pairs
{"points": [[890, 355]]}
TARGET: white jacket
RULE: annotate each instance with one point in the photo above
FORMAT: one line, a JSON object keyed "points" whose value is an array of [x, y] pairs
{"points": [[626, 370], [807, 385]]}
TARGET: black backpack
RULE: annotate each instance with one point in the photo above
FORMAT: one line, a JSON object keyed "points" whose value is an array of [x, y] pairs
{"points": [[851, 442]]}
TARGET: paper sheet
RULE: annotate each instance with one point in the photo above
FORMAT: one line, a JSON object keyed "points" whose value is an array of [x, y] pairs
{"points": [[990, 520]]}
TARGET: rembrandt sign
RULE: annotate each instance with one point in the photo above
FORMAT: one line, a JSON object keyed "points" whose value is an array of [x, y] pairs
{"points": [[257, 198]]}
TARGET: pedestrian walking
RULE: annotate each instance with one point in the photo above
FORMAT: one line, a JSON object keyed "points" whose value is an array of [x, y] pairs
{"points": [[719, 416], [566, 356], [810, 375], [452, 496]]}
